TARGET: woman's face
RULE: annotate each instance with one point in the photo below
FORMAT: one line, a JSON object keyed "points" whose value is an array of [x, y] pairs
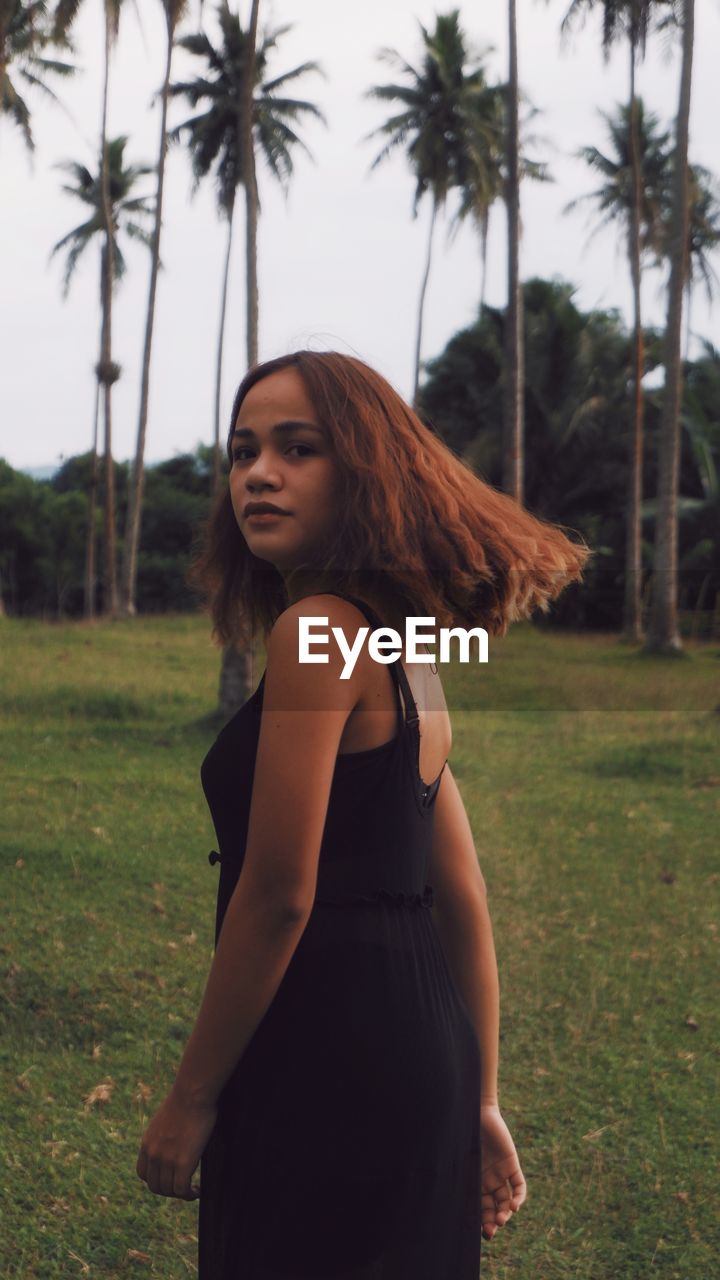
{"points": [[283, 456]]}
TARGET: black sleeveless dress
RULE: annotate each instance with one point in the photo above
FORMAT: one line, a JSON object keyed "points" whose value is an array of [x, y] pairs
{"points": [[347, 1144]]}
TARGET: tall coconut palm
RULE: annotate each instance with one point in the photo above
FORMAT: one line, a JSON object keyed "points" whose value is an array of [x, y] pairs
{"points": [[444, 107], [174, 11], [663, 634], [129, 214], [25, 35], [236, 663], [642, 144], [246, 112], [516, 167], [485, 183], [631, 20], [66, 12], [215, 140], [614, 197]]}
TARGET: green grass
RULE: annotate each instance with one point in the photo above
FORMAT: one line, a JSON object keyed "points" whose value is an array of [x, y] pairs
{"points": [[596, 822]]}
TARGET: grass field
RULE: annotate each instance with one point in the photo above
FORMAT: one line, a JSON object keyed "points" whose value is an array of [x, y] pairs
{"points": [[596, 819]]}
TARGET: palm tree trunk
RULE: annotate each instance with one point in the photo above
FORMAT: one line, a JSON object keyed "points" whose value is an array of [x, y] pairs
{"points": [[89, 602], [221, 338], [421, 304], [513, 477], [251, 199], [663, 634], [688, 327], [236, 664], [137, 477], [632, 616], [110, 593], [251, 266], [235, 681]]}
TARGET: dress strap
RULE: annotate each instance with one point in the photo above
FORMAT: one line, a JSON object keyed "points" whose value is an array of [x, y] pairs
{"points": [[396, 666]]}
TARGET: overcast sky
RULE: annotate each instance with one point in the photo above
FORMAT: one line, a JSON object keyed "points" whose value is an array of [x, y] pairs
{"points": [[340, 261]]}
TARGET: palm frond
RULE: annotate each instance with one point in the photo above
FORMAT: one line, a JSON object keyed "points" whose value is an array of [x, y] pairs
{"points": [[66, 11], [136, 232], [16, 107], [269, 86]]}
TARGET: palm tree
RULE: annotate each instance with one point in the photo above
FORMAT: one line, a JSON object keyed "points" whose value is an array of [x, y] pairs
{"points": [[127, 213], [614, 197], [641, 226], [24, 36], [245, 112], [488, 181], [516, 167], [631, 19], [215, 139], [444, 109], [174, 11], [663, 634], [485, 183], [65, 14]]}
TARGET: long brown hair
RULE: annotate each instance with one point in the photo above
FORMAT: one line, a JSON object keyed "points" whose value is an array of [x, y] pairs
{"points": [[419, 529]]}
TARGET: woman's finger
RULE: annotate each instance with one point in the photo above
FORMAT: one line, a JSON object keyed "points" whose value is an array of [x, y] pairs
{"points": [[519, 1189], [503, 1207], [487, 1212], [167, 1178], [181, 1183], [160, 1177]]}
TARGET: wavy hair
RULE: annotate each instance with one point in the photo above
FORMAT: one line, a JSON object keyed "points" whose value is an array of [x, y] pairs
{"points": [[420, 533]]}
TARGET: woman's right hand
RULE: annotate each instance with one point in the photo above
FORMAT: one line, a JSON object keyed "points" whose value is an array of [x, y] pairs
{"points": [[502, 1185]]}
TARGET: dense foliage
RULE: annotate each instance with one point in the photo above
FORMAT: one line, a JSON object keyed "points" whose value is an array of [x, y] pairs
{"points": [[43, 528], [578, 421]]}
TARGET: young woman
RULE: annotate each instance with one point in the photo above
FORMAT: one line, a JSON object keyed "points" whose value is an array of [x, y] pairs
{"points": [[340, 1084]]}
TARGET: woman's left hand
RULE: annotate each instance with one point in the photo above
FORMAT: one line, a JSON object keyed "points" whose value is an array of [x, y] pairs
{"points": [[502, 1184], [172, 1145]]}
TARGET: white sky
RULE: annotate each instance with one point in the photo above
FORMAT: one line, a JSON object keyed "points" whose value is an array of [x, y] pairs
{"points": [[340, 262]]}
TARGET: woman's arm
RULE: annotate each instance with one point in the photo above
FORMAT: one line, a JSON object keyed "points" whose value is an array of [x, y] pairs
{"points": [[462, 920], [305, 708]]}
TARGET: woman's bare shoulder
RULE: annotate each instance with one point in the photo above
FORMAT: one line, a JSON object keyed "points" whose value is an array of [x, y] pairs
{"points": [[290, 678]]}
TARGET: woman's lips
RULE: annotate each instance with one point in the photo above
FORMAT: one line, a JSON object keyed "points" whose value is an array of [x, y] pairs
{"points": [[264, 517]]}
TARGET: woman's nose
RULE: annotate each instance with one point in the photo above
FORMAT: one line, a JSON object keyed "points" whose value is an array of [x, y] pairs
{"points": [[260, 473]]}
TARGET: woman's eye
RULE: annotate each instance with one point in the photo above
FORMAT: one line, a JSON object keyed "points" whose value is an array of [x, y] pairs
{"points": [[240, 450]]}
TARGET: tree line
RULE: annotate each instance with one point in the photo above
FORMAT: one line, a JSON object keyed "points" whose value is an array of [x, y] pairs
{"points": [[578, 366], [464, 136]]}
